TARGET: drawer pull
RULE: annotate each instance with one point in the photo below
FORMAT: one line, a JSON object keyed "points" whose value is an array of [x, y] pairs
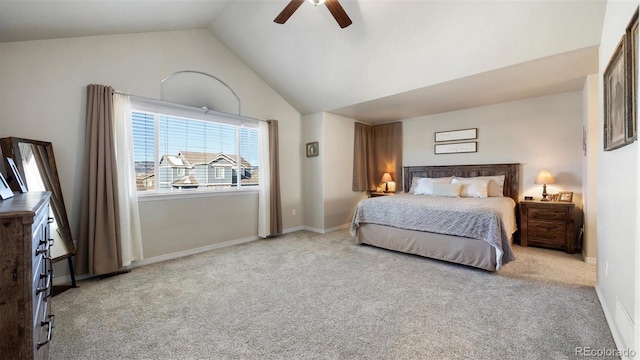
{"points": [[47, 284], [546, 236], [549, 226], [49, 325], [46, 243], [50, 220]]}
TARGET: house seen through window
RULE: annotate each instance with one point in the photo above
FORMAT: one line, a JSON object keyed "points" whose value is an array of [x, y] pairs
{"points": [[194, 152]]}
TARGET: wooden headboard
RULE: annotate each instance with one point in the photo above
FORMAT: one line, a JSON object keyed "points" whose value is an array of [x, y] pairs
{"points": [[511, 174]]}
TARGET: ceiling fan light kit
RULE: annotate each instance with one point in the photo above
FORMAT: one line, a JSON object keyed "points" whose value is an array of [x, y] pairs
{"points": [[334, 7]]}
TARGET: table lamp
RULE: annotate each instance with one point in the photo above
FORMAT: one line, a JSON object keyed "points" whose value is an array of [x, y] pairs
{"points": [[386, 177], [544, 177]]}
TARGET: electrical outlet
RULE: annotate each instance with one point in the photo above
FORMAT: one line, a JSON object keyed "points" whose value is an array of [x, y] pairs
{"points": [[293, 212]]}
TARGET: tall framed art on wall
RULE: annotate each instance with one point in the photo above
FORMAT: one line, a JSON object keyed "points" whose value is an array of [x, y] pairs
{"points": [[631, 35], [616, 109]]}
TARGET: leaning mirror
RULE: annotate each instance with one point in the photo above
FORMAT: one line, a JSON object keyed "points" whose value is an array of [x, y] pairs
{"points": [[37, 167]]}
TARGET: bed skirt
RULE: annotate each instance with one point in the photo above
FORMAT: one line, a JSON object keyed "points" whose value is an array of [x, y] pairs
{"points": [[460, 250]]}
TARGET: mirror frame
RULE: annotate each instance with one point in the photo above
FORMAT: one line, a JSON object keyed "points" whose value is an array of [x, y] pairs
{"points": [[10, 148]]}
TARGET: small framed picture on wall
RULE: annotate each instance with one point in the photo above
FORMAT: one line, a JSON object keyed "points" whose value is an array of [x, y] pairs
{"points": [[312, 149]]}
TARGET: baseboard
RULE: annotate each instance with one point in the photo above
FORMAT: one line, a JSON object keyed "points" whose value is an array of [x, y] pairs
{"points": [[328, 230], [588, 260], [184, 253], [618, 338], [313, 229], [293, 229], [61, 280], [337, 228]]}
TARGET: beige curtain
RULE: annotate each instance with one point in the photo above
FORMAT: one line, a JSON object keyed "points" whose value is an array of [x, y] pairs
{"points": [[377, 149], [99, 240], [363, 164], [275, 225]]}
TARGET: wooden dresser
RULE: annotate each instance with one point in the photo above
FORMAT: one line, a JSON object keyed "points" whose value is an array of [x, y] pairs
{"points": [[26, 278], [547, 224]]}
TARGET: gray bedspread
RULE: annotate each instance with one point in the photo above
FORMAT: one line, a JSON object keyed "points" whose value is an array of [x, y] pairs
{"points": [[476, 218]]}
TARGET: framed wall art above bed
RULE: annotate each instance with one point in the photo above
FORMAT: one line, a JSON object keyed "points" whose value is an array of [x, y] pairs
{"points": [[455, 135]]}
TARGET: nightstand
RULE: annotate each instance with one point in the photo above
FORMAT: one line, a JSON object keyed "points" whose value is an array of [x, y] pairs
{"points": [[375, 194], [547, 224]]}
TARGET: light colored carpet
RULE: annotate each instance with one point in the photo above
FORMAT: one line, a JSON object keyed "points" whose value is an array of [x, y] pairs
{"points": [[310, 296]]}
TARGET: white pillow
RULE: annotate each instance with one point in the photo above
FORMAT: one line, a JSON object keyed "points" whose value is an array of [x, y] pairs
{"points": [[450, 190], [424, 186], [496, 185], [472, 187], [414, 183]]}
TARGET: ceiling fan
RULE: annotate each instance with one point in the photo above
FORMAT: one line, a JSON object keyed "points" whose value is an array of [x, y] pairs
{"points": [[333, 5]]}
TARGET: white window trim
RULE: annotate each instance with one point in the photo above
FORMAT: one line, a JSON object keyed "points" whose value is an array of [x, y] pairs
{"points": [[167, 108], [145, 196], [143, 104]]}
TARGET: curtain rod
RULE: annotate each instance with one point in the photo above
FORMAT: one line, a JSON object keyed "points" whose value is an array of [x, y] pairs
{"points": [[192, 108]]}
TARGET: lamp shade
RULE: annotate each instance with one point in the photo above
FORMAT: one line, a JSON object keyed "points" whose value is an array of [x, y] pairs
{"points": [[544, 177], [386, 177]]}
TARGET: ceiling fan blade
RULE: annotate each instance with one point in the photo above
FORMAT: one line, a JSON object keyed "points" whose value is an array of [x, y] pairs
{"points": [[288, 11], [338, 13]]}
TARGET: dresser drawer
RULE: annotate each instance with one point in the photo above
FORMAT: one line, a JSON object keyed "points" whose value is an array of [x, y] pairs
{"points": [[43, 329], [546, 214]]}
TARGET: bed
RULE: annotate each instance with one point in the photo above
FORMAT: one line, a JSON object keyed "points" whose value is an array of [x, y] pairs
{"points": [[473, 231]]}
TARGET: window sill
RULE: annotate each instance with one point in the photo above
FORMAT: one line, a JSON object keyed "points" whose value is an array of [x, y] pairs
{"points": [[177, 195]]}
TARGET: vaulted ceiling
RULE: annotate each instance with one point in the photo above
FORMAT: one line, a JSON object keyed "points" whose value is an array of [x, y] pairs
{"points": [[399, 59]]}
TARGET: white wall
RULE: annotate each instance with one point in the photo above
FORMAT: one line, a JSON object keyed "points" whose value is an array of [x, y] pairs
{"points": [[590, 167], [329, 202], [313, 178], [617, 206], [540, 133], [43, 95], [339, 200]]}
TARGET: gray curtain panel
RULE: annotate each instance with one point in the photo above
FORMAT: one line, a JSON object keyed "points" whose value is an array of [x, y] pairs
{"points": [[99, 240], [275, 226], [376, 150]]}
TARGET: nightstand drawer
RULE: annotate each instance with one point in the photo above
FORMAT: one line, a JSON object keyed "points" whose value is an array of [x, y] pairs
{"points": [[546, 214], [547, 230]]}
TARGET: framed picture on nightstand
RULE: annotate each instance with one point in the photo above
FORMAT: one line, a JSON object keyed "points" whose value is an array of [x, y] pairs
{"points": [[565, 196]]}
